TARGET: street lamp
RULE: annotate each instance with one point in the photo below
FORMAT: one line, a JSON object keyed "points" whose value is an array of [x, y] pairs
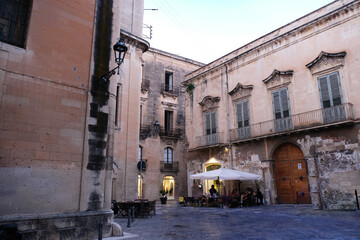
{"points": [[120, 50]]}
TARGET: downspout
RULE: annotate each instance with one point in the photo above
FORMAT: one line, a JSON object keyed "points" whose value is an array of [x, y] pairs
{"points": [[228, 116]]}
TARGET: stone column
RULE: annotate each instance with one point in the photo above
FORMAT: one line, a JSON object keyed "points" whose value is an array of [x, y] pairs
{"points": [[265, 165], [313, 176]]}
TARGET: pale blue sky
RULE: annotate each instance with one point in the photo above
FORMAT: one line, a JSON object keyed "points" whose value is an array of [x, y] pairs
{"points": [[205, 30]]}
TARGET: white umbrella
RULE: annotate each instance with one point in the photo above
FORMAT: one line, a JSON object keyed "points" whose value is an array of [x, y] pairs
{"points": [[226, 174]]}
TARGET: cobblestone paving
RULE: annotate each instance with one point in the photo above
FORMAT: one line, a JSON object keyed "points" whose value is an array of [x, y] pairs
{"points": [[275, 222]]}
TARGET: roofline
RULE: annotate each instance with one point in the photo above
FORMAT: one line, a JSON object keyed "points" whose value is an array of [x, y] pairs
{"points": [[270, 40], [158, 51]]}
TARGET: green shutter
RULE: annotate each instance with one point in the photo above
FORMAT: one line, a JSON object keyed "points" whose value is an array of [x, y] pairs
{"points": [[335, 89], [213, 122]]}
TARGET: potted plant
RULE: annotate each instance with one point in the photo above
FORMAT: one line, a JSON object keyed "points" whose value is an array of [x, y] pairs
{"points": [[190, 88], [163, 197]]}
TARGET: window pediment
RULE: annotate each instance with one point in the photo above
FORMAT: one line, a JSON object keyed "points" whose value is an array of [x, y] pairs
{"points": [[241, 91], [209, 103], [278, 79], [326, 61]]}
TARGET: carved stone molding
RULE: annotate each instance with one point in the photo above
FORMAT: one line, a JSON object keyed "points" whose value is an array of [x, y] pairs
{"points": [[143, 100], [209, 103], [169, 105], [326, 61], [278, 79], [241, 91]]}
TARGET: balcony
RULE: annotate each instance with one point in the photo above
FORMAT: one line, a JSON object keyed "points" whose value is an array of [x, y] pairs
{"points": [[299, 122], [169, 167], [170, 90], [145, 131], [145, 84], [170, 132], [209, 140]]}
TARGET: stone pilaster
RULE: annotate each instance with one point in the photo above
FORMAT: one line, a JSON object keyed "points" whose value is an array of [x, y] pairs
{"points": [[265, 165], [313, 176]]}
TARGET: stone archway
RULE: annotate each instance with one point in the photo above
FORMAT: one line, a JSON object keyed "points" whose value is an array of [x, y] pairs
{"points": [[291, 175]]}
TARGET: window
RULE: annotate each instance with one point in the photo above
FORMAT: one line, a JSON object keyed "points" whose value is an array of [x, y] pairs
{"points": [[330, 92], [210, 123], [330, 96], [168, 81], [168, 120], [117, 105], [281, 107], [242, 114], [281, 104], [140, 153], [168, 156], [14, 19]]}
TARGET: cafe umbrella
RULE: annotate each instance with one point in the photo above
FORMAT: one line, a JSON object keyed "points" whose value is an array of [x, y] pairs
{"points": [[225, 174]]}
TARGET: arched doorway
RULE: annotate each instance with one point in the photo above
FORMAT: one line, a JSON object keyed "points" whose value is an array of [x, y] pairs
{"points": [[208, 183], [169, 185], [291, 175]]}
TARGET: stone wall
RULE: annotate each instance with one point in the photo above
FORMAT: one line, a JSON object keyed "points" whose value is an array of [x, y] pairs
{"points": [[154, 101]]}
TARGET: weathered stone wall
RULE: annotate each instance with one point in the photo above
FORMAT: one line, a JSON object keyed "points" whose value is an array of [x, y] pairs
{"points": [[292, 58], [43, 110], [56, 132], [154, 102]]}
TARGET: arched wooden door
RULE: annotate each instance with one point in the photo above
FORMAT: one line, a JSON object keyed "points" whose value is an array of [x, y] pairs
{"points": [[291, 175]]}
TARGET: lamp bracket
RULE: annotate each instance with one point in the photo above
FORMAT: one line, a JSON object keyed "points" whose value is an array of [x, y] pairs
{"points": [[104, 78]]}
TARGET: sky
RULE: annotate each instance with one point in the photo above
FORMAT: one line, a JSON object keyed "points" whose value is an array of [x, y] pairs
{"points": [[205, 30]]}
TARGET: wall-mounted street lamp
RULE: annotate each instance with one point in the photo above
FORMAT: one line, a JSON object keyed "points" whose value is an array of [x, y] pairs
{"points": [[120, 50]]}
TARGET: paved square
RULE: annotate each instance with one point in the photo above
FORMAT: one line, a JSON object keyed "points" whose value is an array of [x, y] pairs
{"points": [[275, 222]]}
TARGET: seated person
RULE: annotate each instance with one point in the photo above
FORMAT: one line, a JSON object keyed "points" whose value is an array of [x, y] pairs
{"points": [[248, 199], [235, 193]]}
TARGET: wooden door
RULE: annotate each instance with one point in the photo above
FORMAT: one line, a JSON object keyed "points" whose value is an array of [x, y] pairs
{"points": [[291, 175]]}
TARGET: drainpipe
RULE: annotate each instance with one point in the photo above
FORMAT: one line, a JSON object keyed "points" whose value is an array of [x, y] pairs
{"points": [[228, 116]]}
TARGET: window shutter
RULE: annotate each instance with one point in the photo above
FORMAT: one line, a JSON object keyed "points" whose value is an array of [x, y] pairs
{"points": [[207, 123], [170, 155], [165, 155], [239, 115], [284, 103], [170, 82], [324, 92], [213, 122], [246, 114], [335, 89], [276, 104]]}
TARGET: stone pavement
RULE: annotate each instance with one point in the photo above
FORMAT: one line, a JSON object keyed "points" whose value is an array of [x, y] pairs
{"points": [[275, 222]]}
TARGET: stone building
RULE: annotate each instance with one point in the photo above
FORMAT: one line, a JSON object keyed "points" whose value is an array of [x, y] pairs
{"points": [[58, 124], [284, 106], [162, 147]]}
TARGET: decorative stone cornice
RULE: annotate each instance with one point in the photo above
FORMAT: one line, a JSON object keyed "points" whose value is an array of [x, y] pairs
{"points": [[326, 61], [209, 103], [131, 38], [169, 105], [278, 79], [241, 91]]}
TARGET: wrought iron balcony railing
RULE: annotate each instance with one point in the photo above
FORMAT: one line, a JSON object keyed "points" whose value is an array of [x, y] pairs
{"points": [[170, 89], [169, 167], [145, 84], [145, 130], [170, 132], [298, 122], [209, 140]]}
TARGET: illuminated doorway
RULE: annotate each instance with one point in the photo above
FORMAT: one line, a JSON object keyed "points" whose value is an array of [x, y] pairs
{"points": [[140, 186], [209, 183], [169, 185]]}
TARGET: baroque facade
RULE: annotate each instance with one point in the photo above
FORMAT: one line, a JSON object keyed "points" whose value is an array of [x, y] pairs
{"points": [[61, 136], [162, 148], [286, 107]]}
